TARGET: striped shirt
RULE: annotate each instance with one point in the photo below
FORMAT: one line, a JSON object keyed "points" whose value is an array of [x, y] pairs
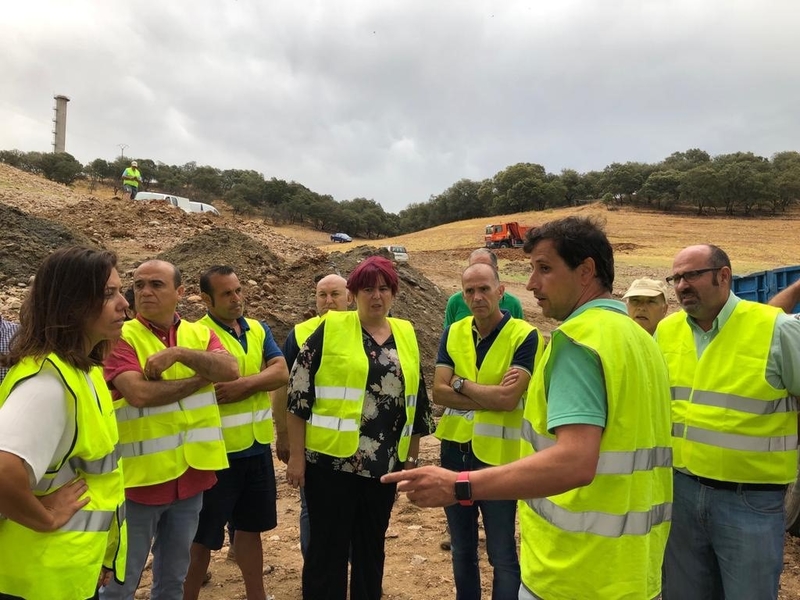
{"points": [[7, 331]]}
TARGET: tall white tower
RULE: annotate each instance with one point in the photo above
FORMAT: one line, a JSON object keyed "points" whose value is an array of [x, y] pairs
{"points": [[60, 123]]}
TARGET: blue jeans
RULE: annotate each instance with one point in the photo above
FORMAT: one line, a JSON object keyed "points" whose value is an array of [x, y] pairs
{"points": [[498, 522], [172, 526], [723, 543]]}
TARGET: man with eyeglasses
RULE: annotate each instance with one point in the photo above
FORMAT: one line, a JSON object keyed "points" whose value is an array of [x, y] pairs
{"points": [[734, 366]]}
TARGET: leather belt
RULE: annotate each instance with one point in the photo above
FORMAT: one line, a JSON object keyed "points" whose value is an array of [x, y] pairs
{"points": [[734, 486]]}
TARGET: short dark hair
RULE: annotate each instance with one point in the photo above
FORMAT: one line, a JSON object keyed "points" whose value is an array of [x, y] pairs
{"points": [[68, 291], [718, 257], [205, 278], [368, 272], [576, 239]]}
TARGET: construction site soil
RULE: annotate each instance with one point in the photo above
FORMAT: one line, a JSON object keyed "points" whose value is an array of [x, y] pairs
{"points": [[278, 267]]}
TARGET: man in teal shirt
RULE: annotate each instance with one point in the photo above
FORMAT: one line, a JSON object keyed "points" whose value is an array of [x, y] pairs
{"points": [[457, 309]]}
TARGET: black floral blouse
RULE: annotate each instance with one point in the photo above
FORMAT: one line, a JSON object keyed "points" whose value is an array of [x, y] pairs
{"points": [[383, 414]]}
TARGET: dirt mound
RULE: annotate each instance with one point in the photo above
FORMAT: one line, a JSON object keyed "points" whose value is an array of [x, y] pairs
{"points": [[26, 241], [281, 292]]}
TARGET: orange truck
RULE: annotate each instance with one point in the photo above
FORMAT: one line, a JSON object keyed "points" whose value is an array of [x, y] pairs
{"points": [[505, 235]]}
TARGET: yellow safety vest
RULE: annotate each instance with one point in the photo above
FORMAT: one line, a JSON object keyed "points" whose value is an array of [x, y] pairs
{"points": [[303, 330], [250, 419], [605, 540], [66, 563], [160, 443], [129, 177], [341, 381], [728, 422], [495, 435]]}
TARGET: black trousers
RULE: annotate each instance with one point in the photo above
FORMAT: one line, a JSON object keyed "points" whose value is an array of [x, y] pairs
{"points": [[349, 515]]}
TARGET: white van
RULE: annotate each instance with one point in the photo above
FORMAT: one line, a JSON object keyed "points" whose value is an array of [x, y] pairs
{"points": [[184, 204], [399, 253]]}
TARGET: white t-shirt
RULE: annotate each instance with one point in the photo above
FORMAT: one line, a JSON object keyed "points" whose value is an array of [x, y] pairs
{"points": [[36, 423]]}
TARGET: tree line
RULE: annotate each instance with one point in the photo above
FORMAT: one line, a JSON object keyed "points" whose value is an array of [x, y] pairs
{"points": [[740, 183]]}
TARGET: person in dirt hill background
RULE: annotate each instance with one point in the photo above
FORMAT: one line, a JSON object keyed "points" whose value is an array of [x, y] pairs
{"points": [[131, 178]]}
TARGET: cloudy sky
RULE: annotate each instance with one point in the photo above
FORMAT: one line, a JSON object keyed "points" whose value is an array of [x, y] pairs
{"points": [[396, 100]]}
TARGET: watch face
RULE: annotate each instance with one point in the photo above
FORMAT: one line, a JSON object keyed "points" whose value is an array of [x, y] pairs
{"points": [[458, 384], [463, 490]]}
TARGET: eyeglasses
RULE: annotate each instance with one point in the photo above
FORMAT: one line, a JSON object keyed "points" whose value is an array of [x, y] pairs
{"points": [[689, 276]]}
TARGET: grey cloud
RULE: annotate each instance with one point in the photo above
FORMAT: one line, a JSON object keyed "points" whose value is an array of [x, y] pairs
{"points": [[397, 100]]}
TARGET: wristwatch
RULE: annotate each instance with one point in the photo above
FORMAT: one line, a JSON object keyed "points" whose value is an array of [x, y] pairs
{"points": [[464, 489], [458, 385]]}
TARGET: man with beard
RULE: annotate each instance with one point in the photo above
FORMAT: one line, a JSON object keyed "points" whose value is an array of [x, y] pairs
{"points": [[733, 367]]}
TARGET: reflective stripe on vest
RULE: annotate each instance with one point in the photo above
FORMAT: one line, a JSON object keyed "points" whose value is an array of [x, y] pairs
{"points": [[69, 470], [345, 394], [193, 402], [333, 423], [734, 441], [499, 432], [90, 520], [239, 419], [611, 462], [608, 536], [170, 442], [729, 422], [600, 523]]}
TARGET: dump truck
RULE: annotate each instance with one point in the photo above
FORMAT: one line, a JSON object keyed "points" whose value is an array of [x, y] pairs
{"points": [[505, 235]]}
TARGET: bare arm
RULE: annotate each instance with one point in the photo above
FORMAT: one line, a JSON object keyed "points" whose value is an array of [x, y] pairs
{"points": [[413, 450], [787, 298], [296, 469], [273, 375], [503, 396], [279, 400], [570, 463], [18, 503], [141, 392], [445, 395], [212, 366]]}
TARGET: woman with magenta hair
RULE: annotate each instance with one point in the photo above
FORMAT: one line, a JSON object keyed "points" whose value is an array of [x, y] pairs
{"points": [[357, 407]]}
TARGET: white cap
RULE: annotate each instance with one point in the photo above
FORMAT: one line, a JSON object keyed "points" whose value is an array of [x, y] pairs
{"points": [[647, 287]]}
